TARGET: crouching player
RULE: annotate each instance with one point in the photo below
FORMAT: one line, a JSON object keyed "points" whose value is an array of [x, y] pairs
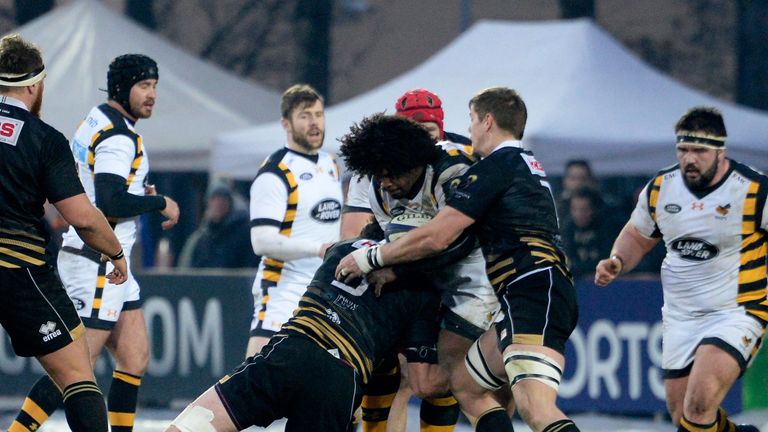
{"points": [[323, 356]]}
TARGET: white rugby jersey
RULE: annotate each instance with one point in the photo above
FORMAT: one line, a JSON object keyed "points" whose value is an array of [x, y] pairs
{"points": [[107, 143], [716, 241], [357, 192], [468, 273], [300, 194]]}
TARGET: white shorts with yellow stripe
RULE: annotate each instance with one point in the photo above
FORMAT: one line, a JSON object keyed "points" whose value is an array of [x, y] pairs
{"points": [[98, 302], [273, 305]]}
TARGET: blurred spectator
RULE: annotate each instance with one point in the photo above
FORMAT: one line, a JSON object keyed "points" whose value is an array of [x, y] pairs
{"points": [[578, 174], [223, 239], [588, 234]]}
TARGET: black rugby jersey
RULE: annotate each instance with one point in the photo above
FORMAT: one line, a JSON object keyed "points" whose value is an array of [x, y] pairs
{"points": [[362, 328], [509, 197], [36, 164]]}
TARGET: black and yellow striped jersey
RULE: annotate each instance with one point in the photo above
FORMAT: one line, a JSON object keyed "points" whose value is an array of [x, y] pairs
{"points": [[361, 328], [35, 165]]}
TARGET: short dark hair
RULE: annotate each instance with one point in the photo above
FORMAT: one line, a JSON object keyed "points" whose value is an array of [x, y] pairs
{"points": [[18, 56], [707, 120], [506, 107], [385, 143], [582, 163], [298, 96]]}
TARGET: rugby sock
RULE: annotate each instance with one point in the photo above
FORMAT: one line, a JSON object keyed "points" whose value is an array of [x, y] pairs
{"points": [[121, 401], [689, 426], [494, 420], [378, 399], [85, 408], [439, 414], [43, 399], [723, 424], [564, 425]]}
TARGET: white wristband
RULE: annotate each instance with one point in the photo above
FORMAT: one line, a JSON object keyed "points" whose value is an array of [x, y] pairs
{"points": [[368, 259]]}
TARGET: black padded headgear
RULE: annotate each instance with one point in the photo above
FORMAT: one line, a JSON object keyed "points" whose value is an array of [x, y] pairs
{"points": [[125, 71]]}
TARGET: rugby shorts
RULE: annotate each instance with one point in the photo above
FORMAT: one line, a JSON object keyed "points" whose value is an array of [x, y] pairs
{"points": [[731, 330], [539, 308], [293, 378], [36, 311], [98, 302], [274, 306]]}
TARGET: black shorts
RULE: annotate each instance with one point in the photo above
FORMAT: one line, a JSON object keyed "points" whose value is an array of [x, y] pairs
{"points": [[539, 309], [292, 378], [36, 312]]}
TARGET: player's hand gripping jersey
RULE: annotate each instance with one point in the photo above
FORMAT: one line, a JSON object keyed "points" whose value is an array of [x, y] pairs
{"points": [[715, 240]]}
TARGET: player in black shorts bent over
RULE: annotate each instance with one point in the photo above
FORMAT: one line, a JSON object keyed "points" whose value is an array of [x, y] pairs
{"points": [[506, 200], [324, 355], [36, 165]]}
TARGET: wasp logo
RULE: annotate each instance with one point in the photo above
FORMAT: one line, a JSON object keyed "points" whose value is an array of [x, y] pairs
{"points": [[697, 206], [723, 210], [746, 341]]}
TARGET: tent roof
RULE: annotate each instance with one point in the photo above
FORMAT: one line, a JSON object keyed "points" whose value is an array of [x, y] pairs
{"points": [[196, 100], [587, 97]]}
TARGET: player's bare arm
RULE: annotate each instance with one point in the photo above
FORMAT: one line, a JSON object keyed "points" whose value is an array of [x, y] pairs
{"points": [[422, 242], [628, 249]]}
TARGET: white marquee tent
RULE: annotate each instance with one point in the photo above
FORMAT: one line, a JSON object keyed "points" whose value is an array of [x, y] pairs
{"points": [[196, 100], [587, 97]]}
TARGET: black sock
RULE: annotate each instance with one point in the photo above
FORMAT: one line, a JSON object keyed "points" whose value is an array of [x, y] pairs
{"points": [[121, 400], [494, 420], [437, 413], [564, 425], [43, 399], [85, 407]]}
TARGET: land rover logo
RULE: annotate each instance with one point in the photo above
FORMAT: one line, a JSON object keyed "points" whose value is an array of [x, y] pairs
{"points": [[327, 211], [693, 249], [672, 208]]}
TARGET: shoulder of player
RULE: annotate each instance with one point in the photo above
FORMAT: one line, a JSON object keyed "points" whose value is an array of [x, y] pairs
{"points": [[748, 172], [450, 156]]}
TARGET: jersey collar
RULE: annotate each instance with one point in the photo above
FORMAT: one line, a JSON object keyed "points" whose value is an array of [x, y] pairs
{"points": [[508, 144], [8, 100]]}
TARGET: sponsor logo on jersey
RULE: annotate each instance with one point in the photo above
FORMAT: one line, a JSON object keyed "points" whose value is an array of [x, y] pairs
{"points": [[333, 316], [49, 331], [723, 210], [535, 166], [79, 304], [79, 150], [693, 249], [697, 206], [306, 176], [325, 211], [344, 302], [672, 208], [10, 129], [397, 211]]}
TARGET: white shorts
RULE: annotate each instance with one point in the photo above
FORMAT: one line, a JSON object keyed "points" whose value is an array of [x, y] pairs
{"points": [[468, 296], [732, 330], [271, 309], [97, 301]]}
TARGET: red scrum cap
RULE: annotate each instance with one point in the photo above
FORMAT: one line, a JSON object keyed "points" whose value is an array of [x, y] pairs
{"points": [[421, 105]]}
